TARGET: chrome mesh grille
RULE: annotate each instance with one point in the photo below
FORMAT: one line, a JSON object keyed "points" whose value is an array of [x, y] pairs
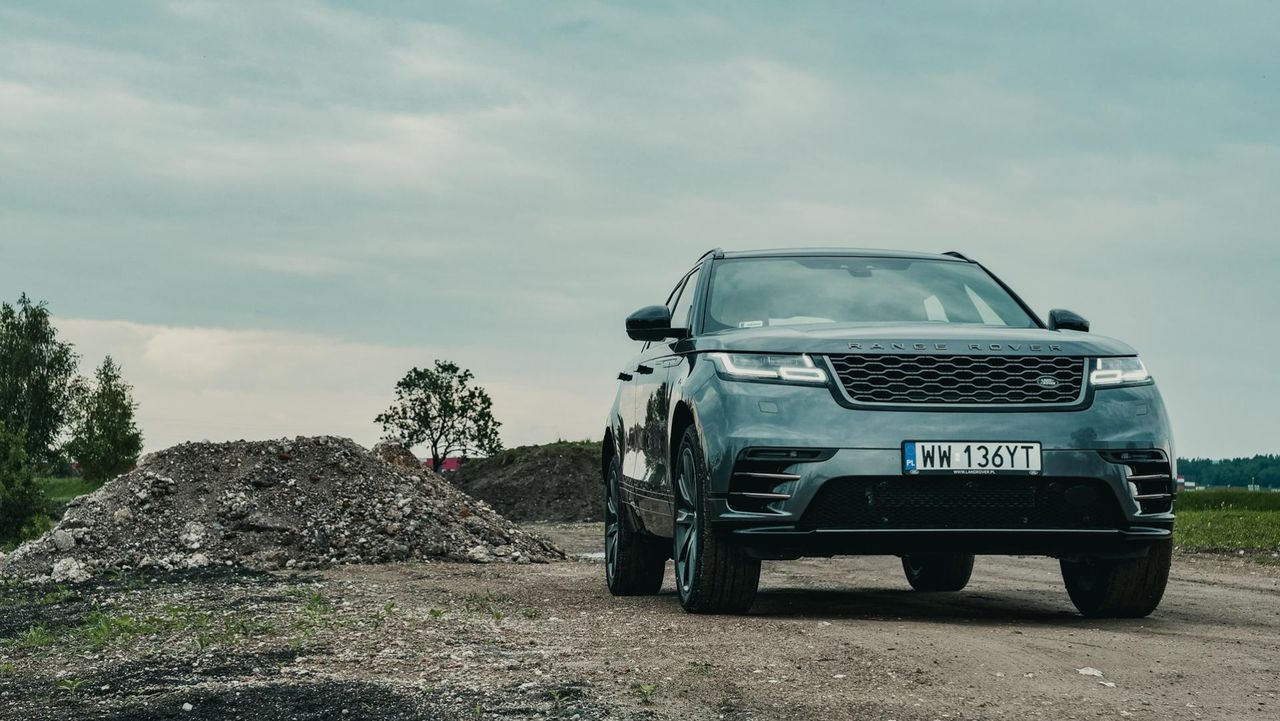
{"points": [[959, 379]]}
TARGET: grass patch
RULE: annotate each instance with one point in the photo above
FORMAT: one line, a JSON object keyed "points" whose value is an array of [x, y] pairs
{"points": [[315, 612], [38, 636], [62, 490], [1226, 530], [1228, 500], [101, 629]]}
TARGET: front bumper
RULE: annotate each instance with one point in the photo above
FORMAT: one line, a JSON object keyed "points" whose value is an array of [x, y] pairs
{"points": [[1078, 447]]}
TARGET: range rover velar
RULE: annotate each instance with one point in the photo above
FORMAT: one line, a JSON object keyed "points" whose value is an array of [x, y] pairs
{"points": [[792, 403]]}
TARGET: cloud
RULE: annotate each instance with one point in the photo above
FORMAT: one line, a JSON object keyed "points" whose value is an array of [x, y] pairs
{"points": [[258, 188], [196, 383]]}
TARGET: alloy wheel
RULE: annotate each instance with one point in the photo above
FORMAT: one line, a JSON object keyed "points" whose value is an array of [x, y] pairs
{"points": [[686, 530], [612, 519]]}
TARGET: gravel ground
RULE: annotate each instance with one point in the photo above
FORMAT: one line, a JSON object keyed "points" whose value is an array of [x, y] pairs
{"points": [[829, 639]]}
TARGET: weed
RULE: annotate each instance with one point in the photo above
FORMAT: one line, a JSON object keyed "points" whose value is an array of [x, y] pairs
{"points": [[72, 685], [7, 669], [37, 636], [496, 615], [484, 602], [316, 604], [559, 697], [100, 629], [529, 613], [646, 692], [315, 612], [556, 696], [56, 596], [436, 613], [388, 609]]}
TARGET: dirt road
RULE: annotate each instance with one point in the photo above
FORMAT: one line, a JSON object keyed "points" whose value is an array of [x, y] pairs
{"points": [[846, 638], [828, 639]]}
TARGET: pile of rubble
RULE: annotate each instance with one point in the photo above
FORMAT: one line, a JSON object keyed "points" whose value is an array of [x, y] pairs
{"points": [[556, 482], [301, 503]]}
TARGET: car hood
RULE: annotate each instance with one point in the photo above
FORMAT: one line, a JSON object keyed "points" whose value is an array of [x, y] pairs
{"points": [[911, 338]]}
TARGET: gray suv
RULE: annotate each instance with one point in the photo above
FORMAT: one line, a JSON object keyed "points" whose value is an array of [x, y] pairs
{"points": [[791, 403]]}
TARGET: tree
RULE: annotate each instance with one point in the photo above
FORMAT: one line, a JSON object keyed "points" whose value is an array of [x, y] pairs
{"points": [[439, 407], [36, 378], [20, 499], [105, 440]]}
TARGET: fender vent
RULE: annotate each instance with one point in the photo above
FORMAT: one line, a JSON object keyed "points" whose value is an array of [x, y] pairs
{"points": [[763, 477], [1149, 472]]}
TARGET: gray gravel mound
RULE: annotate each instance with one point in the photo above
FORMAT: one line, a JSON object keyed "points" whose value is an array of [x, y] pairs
{"points": [[301, 503], [555, 482]]}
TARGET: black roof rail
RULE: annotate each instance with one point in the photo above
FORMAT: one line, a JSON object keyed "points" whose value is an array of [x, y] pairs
{"points": [[958, 254]]}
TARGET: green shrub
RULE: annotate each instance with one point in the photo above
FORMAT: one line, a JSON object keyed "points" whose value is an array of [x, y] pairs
{"points": [[22, 504]]}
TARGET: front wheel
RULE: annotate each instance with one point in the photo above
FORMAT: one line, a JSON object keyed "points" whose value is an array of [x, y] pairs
{"points": [[938, 571], [633, 563], [712, 574], [1129, 588]]}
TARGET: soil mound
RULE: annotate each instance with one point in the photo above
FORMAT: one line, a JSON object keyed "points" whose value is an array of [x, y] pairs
{"points": [[555, 482], [397, 455], [300, 503]]}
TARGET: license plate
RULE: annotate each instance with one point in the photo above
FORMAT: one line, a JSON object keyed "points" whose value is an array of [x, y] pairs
{"points": [[970, 458]]}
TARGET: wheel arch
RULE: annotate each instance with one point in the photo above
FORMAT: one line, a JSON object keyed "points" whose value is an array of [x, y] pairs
{"points": [[682, 417], [608, 450]]}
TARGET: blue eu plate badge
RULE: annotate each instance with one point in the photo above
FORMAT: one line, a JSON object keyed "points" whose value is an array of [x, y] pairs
{"points": [[909, 458]]}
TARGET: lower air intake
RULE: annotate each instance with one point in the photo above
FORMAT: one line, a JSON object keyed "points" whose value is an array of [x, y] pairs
{"points": [[983, 503]]}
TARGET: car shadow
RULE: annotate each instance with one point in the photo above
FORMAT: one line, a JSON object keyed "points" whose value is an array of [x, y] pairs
{"points": [[898, 604]]}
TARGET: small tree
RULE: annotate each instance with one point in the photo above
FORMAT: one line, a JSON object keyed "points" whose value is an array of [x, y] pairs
{"points": [[36, 378], [20, 498], [106, 441], [439, 407]]}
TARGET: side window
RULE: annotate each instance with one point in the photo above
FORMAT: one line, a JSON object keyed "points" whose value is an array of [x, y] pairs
{"points": [[683, 302]]}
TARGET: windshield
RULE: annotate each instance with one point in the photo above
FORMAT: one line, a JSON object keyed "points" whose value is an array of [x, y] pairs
{"points": [[759, 292]]}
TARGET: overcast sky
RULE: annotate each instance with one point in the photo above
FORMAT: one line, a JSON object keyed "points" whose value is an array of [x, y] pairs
{"points": [[269, 211]]}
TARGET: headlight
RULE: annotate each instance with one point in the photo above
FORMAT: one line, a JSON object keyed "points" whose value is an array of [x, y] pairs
{"points": [[782, 368], [1118, 372]]}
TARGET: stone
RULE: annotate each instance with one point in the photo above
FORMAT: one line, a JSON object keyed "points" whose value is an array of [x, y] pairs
{"points": [[479, 554], [69, 570], [192, 536], [63, 541]]}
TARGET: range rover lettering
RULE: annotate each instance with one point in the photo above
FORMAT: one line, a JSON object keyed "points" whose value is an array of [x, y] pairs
{"points": [[797, 403]]}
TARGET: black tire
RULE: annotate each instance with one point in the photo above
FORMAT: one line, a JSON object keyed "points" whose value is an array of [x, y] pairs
{"points": [[938, 571], [633, 562], [1130, 588], [712, 574]]}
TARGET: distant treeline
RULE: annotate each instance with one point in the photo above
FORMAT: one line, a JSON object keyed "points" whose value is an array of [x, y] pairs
{"points": [[1236, 472]]}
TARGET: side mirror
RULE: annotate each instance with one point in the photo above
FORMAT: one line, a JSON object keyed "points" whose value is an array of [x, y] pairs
{"points": [[652, 322], [1061, 319]]}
